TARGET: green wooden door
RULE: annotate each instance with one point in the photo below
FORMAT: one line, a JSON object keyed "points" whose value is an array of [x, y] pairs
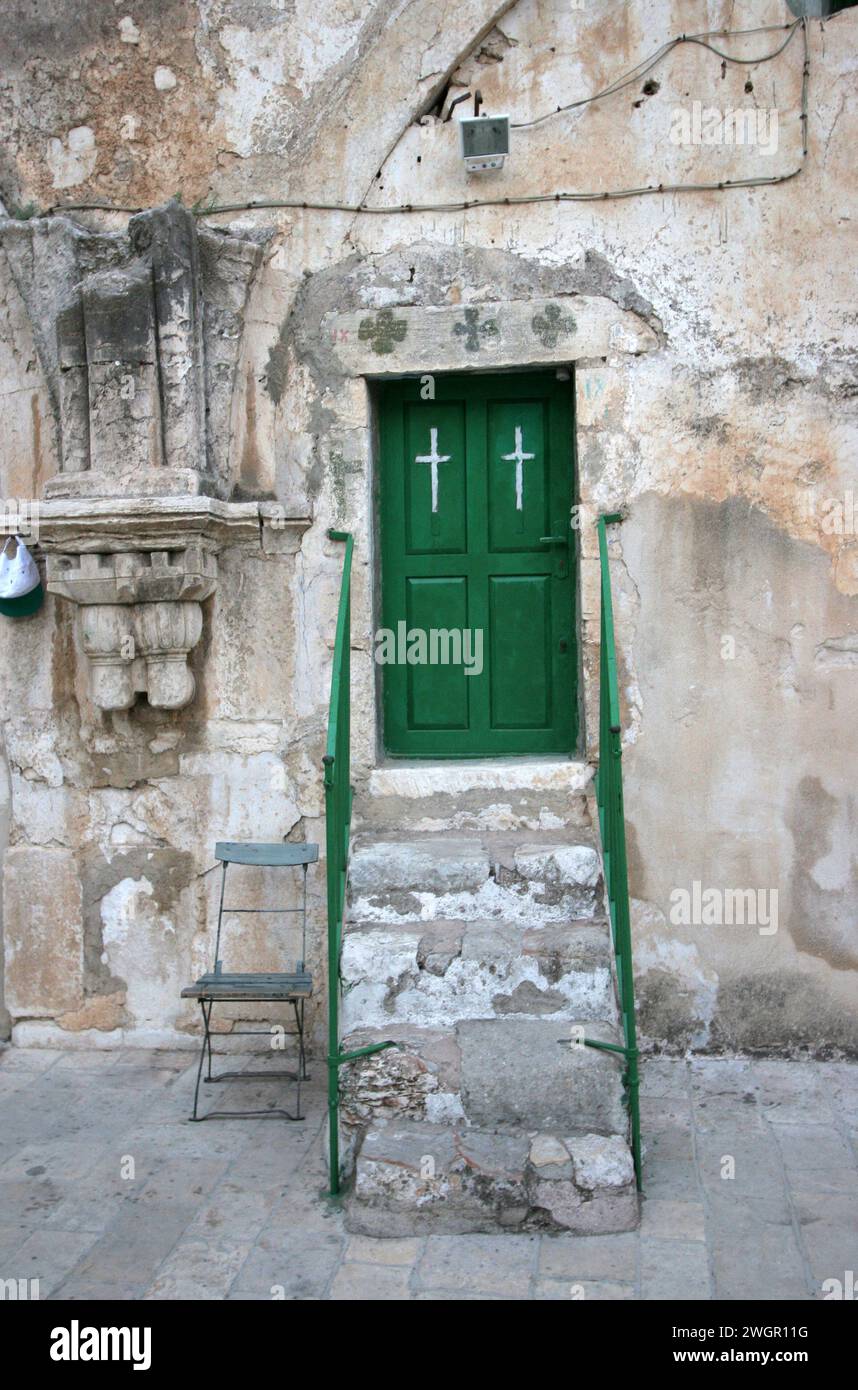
{"points": [[470, 484]]}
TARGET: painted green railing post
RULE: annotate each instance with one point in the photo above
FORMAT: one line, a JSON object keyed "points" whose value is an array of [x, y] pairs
{"points": [[612, 827], [338, 815]]}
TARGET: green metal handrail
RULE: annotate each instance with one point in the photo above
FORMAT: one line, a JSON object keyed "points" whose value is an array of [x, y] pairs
{"points": [[612, 827], [338, 815]]}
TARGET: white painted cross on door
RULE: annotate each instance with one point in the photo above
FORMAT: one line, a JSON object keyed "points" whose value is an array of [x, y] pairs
{"points": [[519, 458], [433, 458]]}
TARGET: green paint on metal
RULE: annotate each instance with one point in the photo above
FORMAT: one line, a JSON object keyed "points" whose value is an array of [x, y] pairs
{"points": [[475, 492], [383, 332], [552, 325], [612, 827], [338, 815]]}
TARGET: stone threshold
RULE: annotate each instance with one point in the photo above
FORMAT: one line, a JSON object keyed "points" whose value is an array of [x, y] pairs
{"points": [[419, 778]]}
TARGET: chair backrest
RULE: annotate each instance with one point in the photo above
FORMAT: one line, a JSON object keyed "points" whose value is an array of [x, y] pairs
{"points": [[264, 856], [273, 856]]}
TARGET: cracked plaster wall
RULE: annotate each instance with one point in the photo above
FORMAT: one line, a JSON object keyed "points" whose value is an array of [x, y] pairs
{"points": [[721, 446]]}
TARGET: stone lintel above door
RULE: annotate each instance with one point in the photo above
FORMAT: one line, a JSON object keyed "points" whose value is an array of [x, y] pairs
{"points": [[491, 335]]}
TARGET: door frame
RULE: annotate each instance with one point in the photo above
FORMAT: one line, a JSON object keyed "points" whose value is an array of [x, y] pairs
{"points": [[376, 386], [411, 313]]}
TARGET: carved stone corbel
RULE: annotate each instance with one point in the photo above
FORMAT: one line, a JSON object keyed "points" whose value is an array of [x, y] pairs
{"points": [[139, 569], [139, 334]]}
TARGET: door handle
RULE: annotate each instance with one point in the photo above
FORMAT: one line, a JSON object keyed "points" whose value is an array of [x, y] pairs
{"points": [[552, 540]]}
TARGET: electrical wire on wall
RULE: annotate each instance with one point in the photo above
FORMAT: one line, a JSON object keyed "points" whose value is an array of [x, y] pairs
{"points": [[524, 199]]}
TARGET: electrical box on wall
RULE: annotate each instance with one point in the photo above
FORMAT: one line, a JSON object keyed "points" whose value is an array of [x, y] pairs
{"points": [[484, 142]]}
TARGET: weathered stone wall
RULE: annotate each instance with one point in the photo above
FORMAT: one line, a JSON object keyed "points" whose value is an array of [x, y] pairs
{"points": [[722, 423]]}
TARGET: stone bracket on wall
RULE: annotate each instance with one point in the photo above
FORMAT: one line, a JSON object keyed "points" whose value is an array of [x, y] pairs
{"points": [[139, 569], [139, 334]]}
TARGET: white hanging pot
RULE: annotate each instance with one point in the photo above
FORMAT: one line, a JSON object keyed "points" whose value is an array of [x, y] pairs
{"points": [[20, 585]]}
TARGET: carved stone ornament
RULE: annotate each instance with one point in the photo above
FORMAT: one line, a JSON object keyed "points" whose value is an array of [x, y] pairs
{"points": [[139, 335]]}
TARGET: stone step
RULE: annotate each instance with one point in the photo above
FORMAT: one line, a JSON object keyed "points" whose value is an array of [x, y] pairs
{"points": [[457, 878], [437, 973], [505, 1073], [485, 796], [415, 1178], [521, 1073]]}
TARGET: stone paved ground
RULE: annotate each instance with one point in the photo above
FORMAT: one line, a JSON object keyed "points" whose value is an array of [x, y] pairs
{"points": [[234, 1210]]}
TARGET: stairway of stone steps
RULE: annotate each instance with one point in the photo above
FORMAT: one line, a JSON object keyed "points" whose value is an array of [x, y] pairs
{"points": [[485, 957]]}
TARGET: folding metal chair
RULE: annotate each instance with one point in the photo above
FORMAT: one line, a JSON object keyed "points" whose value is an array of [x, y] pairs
{"points": [[267, 987]]}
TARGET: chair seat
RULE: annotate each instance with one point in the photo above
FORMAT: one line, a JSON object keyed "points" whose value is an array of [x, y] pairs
{"points": [[266, 856], [259, 987]]}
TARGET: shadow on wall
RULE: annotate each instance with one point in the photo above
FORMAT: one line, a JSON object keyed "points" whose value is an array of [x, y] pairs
{"points": [[740, 782]]}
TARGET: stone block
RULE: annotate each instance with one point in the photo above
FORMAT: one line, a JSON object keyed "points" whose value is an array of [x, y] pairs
{"points": [[439, 972], [427, 865], [413, 1178], [44, 932], [519, 1072]]}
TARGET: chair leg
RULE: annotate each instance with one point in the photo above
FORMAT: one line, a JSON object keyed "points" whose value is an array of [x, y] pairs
{"points": [[205, 1044], [303, 1046], [208, 1015], [298, 1010]]}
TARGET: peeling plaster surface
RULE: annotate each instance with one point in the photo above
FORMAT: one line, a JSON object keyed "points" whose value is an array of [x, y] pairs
{"points": [[729, 443]]}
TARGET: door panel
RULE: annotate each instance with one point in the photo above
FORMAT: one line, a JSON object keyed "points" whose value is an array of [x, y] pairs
{"points": [[520, 651], [435, 485], [438, 692], [518, 483], [470, 484]]}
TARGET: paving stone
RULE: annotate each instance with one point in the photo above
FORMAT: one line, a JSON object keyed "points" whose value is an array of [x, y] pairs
{"points": [[575, 1258], [756, 1162], [673, 1270], [299, 1274], [582, 1290], [484, 1264], [818, 1157], [753, 1255], [28, 1059], [138, 1240], [665, 1078], [668, 1143], [12, 1237], [664, 1114], [85, 1291], [519, 1072], [364, 1249], [672, 1220], [48, 1256], [828, 1231], [99, 1239], [791, 1092], [182, 1181], [670, 1177], [199, 1269], [375, 1282]]}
